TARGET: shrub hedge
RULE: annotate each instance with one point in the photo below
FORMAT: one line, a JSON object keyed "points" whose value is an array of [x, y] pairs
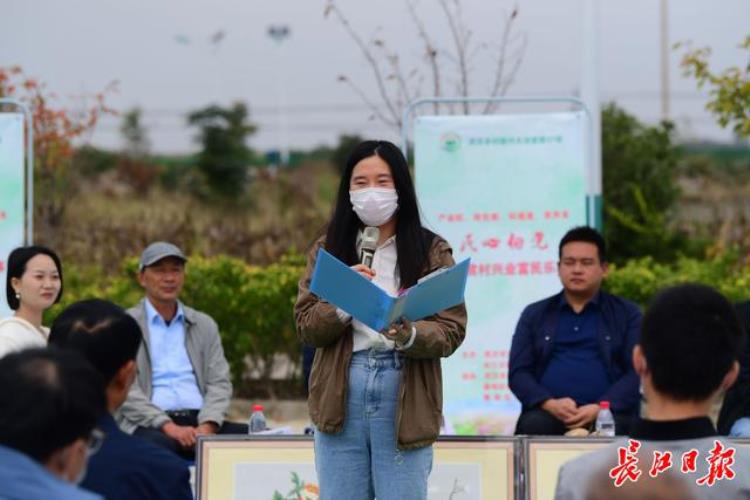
{"points": [[639, 279], [253, 305]]}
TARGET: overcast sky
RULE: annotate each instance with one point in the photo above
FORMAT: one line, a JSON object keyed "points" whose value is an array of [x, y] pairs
{"points": [[160, 52]]}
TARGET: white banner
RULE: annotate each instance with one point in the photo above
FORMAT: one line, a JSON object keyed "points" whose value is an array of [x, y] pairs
{"points": [[12, 193], [502, 190]]}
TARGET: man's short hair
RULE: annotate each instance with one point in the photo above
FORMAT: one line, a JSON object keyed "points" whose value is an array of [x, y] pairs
{"points": [[690, 336], [49, 398], [585, 234], [103, 332]]}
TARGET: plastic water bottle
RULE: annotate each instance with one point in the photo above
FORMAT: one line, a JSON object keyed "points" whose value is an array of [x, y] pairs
{"points": [[257, 422], [605, 422]]}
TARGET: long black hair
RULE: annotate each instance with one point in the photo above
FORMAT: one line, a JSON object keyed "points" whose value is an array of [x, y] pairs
{"points": [[17, 261], [412, 240]]}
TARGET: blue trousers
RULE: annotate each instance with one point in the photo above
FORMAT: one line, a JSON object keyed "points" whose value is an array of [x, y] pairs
{"points": [[362, 461]]}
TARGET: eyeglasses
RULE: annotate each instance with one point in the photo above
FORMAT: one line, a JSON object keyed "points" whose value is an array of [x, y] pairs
{"points": [[94, 442]]}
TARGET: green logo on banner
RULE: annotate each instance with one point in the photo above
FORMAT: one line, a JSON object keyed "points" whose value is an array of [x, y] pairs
{"points": [[450, 141]]}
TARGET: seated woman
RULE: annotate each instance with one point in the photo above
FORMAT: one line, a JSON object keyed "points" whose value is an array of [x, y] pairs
{"points": [[33, 285]]}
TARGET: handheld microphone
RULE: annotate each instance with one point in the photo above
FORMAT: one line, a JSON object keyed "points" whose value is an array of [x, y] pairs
{"points": [[368, 245]]}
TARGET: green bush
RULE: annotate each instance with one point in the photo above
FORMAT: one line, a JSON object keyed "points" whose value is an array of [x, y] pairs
{"points": [[252, 305], [640, 188], [639, 279]]}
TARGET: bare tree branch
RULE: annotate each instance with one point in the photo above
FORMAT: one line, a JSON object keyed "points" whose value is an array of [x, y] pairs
{"points": [[367, 53], [430, 52], [460, 41], [517, 59], [400, 79], [397, 74], [501, 82], [373, 107], [396, 88]]}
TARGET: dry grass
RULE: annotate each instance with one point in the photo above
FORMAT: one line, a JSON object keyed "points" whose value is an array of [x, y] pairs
{"points": [[108, 221]]}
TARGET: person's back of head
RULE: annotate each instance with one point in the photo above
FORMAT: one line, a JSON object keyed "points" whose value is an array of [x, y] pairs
{"points": [[50, 402], [107, 336], [691, 338]]}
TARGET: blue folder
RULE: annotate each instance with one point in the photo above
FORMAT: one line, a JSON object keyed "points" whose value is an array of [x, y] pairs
{"points": [[337, 283]]}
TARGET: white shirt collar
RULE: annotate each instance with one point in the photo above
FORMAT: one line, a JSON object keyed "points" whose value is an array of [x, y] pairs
{"points": [[152, 314], [386, 243]]}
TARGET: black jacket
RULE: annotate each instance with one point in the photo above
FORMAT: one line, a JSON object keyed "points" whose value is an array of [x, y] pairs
{"points": [[737, 400], [534, 339], [128, 467]]}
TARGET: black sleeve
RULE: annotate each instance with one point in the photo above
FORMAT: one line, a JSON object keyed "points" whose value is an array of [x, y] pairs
{"points": [[737, 399]]}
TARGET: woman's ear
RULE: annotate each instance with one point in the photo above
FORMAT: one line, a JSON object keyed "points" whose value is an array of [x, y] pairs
{"points": [[15, 283]]}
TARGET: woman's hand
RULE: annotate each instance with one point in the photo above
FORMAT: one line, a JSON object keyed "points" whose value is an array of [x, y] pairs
{"points": [[364, 271], [399, 331]]}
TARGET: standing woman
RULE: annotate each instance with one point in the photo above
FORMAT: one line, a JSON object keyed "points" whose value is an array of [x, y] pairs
{"points": [[33, 285], [376, 397]]}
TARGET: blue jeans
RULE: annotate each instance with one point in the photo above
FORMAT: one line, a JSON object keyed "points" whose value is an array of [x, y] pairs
{"points": [[741, 428], [362, 462]]}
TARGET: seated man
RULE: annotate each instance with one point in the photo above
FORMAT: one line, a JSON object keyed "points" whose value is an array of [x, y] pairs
{"points": [[573, 350], [687, 355], [125, 467], [734, 418], [49, 404], [183, 387]]}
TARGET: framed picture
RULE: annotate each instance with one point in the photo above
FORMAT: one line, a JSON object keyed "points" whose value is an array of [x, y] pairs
{"points": [[544, 456], [283, 467], [467, 467]]}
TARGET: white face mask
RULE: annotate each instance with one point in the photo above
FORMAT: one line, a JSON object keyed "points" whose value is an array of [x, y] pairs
{"points": [[374, 206]]}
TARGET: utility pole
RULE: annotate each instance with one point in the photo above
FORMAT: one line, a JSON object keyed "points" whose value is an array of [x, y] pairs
{"points": [[278, 33], [664, 36], [590, 97]]}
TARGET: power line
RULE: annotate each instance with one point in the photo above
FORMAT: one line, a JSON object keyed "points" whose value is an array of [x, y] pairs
{"points": [[361, 107]]}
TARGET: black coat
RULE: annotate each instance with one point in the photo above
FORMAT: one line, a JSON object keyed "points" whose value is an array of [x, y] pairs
{"points": [[737, 400]]}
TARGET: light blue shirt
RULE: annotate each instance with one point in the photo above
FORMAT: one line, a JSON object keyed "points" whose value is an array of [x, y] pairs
{"points": [[174, 384], [741, 428], [22, 477]]}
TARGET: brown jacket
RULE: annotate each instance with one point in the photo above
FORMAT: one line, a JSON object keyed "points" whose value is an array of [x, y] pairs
{"points": [[419, 415]]}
